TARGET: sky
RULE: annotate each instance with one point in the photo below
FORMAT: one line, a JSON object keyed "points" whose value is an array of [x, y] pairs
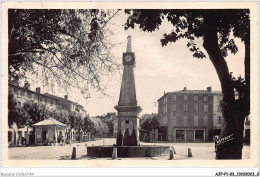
{"points": [[158, 69]]}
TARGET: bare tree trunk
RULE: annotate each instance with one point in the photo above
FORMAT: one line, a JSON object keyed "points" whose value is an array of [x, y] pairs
{"points": [[234, 111]]}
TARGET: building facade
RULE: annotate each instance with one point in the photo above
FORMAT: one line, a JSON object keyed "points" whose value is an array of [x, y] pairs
{"points": [[190, 115], [52, 102]]}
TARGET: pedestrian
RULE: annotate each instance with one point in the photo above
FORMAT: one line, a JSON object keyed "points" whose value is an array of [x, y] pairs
{"points": [[62, 140], [22, 140]]}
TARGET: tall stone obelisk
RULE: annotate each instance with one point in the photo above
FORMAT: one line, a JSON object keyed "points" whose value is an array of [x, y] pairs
{"points": [[128, 123]]}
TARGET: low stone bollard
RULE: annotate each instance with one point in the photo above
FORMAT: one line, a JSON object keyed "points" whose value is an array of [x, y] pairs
{"points": [[114, 153], [189, 152], [173, 150], [171, 154], [73, 156], [147, 152]]}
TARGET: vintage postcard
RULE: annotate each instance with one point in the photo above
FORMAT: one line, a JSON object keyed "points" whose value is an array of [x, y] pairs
{"points": [[129, 84]]}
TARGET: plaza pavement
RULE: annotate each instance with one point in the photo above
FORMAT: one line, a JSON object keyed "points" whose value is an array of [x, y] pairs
{"points": [[200, 151]]}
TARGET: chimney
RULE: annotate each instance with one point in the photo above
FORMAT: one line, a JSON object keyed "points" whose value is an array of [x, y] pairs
{"points": [[209, 89], [184, 89], [38, 90], [66, 97]]}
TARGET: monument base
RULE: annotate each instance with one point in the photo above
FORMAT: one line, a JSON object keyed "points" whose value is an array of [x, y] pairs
{"points": [[128, 151]]}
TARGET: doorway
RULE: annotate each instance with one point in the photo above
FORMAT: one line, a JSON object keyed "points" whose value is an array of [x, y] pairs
{"points": [[199, 135], [44, 135], [180, 137]]}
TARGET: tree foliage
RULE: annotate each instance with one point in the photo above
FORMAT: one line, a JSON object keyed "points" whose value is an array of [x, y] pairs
{"points": [[36, 112], [190, 24], [149, 122], [62, 116], [108, 119], [15, 113], [88, 125], [12, 107], [64, 47], [100, 128]]}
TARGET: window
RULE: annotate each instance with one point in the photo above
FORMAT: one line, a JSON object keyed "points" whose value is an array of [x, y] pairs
{"points": [[180, 135], [164, 120], [206, 120], [185, 97], [196, 108], [165, 109], [185, 120], [174, 107], [127, 121], [174, 97], [165, 100], [174, 120], [206, 108], [205, 98], [199, 134], [196, 120], [185, 107], [196, 98], [51, 102]]}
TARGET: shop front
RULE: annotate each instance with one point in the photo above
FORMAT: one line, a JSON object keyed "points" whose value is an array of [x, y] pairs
{"points": [[189, 134]]}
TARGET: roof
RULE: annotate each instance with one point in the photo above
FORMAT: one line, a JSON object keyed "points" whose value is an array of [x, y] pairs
{"points": [[58, 98], [49, 96], [203, 92], [45, 94], [50, 121]]}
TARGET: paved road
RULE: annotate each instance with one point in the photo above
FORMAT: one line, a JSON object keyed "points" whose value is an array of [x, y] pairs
{"points": [[200, 151]]}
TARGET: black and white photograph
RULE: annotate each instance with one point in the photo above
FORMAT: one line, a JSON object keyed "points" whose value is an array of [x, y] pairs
{"points": [[130, 83]]}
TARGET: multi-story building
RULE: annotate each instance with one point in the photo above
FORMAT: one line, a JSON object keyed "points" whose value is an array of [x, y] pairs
{"points": [[53, 102], [190, 115]]}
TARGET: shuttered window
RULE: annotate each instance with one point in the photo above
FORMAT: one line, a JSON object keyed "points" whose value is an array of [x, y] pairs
{"points": [[206, 120], [196, 120], [185, 121]]}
